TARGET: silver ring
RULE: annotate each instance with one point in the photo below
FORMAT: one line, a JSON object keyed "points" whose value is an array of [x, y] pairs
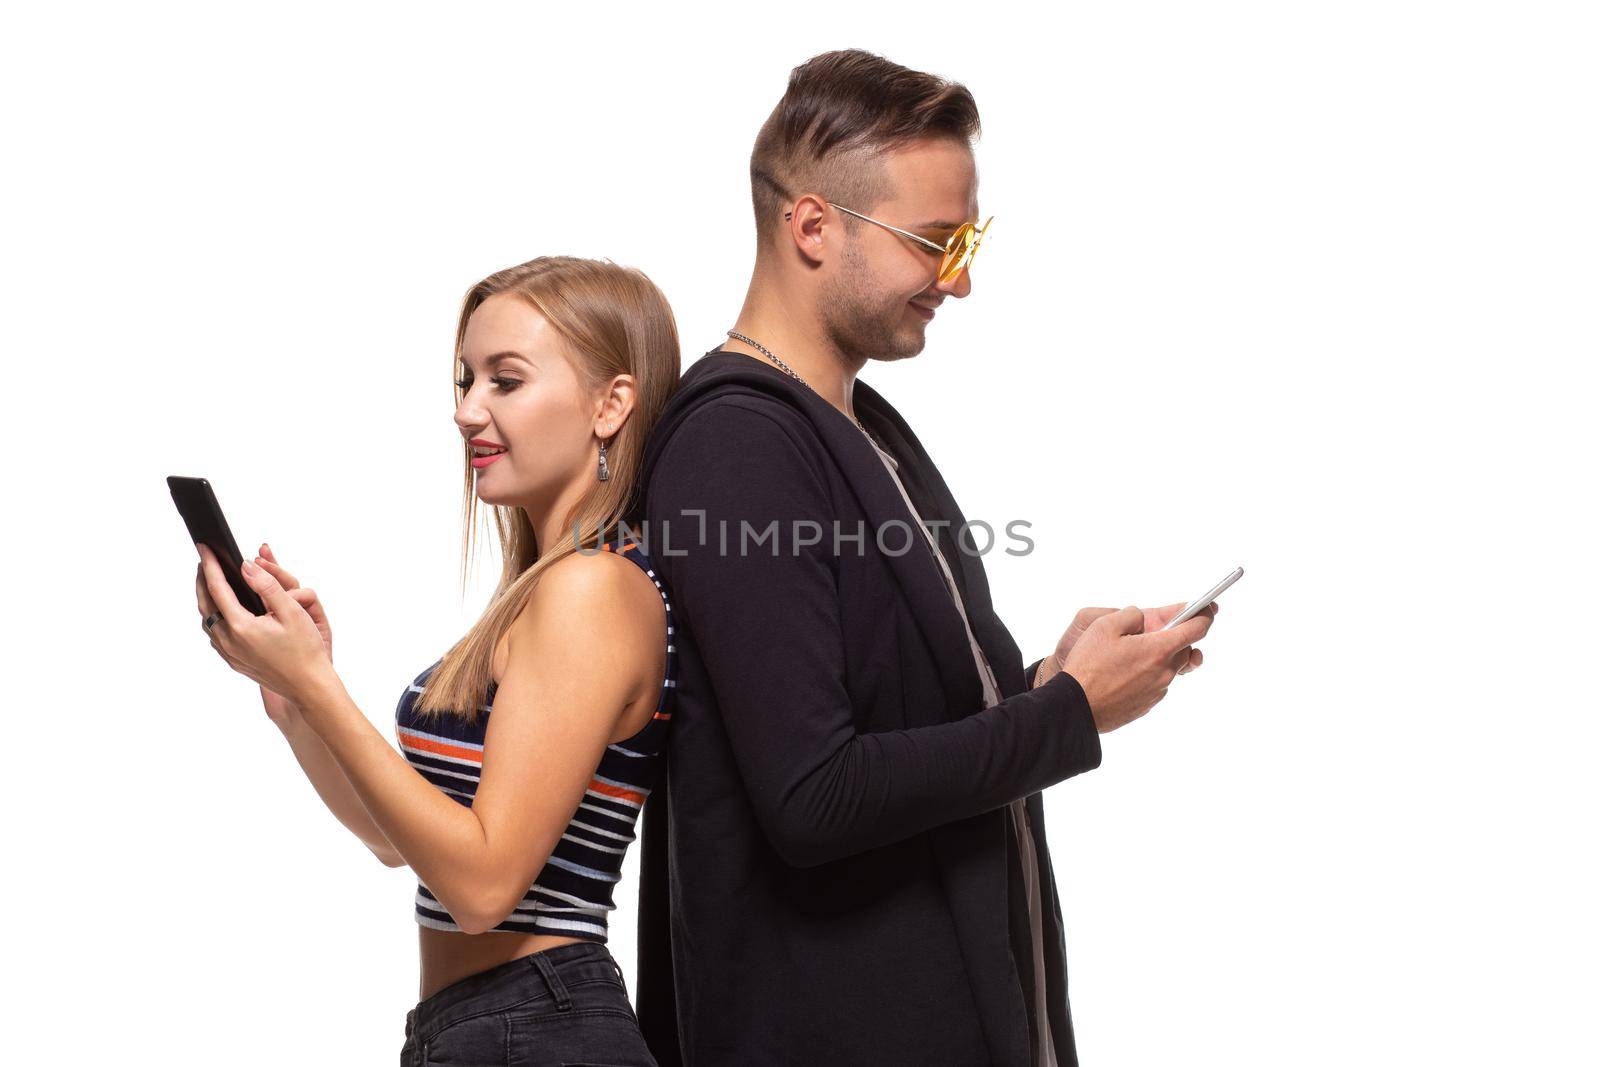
{"points": [[212, 618]]}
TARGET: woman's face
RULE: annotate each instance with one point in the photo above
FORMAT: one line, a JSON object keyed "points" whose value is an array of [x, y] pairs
{"points": [[523, 394]]}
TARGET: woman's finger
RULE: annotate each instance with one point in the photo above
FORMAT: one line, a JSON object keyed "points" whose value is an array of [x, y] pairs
{"points": [[271, 557], [223, 597], [207, 608], [291, 584], [202, 596], [269, 563], [307, 598]]}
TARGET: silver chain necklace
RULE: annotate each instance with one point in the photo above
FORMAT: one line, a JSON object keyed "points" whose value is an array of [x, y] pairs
{"points": [[753, 343]]}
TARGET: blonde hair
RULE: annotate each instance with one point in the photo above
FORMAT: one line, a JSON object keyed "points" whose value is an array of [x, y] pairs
{"points": [[614, 321]]}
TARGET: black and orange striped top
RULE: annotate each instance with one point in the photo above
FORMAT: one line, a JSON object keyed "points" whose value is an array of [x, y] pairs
{"points": [[572, 893]]}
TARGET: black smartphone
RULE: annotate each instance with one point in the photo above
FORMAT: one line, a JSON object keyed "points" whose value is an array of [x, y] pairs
{"points": [[203, 515]]}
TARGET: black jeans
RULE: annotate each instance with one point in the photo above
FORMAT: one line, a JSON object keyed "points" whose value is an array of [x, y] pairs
{"points": [[563, 1007]]}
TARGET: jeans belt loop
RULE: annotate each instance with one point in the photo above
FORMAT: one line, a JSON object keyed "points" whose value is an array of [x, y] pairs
{"points": [[558, 988]]}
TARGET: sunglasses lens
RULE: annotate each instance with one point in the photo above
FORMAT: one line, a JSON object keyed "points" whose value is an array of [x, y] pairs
{"points": [[958, 254]]}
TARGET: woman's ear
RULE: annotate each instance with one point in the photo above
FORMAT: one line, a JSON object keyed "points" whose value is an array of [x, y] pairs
{"points": [[615, 405]]}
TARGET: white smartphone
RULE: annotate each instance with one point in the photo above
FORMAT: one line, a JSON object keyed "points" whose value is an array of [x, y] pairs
{"points": [[1196, 606]]}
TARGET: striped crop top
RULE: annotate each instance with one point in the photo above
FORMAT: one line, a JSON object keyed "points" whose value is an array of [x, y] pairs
{"points": [[572, 893]]}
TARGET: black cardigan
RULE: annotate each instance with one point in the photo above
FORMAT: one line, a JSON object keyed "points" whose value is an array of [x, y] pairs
{"points": [[835, 839]]}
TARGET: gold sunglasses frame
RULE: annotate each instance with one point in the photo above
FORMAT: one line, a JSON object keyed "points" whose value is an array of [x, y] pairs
{"points": [[953, 263]]}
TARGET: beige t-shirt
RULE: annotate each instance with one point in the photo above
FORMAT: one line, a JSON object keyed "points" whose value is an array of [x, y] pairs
{"points": [[1019, 811]]}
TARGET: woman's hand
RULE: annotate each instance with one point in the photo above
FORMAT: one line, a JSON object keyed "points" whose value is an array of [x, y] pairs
{"points": [[286, 650], [306, 598], [283, 713]]}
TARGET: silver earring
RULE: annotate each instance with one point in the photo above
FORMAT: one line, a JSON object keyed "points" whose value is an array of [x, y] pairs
{"points": [[605, 471]]}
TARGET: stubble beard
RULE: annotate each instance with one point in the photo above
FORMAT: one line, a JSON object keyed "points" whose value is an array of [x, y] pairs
{"points": [[860, 320]]}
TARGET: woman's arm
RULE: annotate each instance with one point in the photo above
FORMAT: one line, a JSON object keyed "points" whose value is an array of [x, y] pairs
{"points": [[313, 756], [578, 655], [334, 788]]}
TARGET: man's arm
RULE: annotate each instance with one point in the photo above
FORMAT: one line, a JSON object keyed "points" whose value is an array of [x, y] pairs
{"points": [[1042, 670], [768, 630]]}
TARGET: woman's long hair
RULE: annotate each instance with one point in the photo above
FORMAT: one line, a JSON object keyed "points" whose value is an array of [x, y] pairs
{"points": [[614, 321]]}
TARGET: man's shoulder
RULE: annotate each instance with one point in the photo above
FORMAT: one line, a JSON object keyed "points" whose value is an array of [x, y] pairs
{"points": [[739, 435], [745, 447], [726, 400], [743, 413]]}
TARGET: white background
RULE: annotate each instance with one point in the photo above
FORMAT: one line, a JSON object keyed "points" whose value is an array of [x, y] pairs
{"points": [[1306, 288]]}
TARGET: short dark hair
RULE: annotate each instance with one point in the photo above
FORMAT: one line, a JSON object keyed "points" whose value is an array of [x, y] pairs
{"points": [[842, 110]]}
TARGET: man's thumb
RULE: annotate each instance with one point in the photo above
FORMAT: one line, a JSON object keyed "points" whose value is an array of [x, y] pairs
{"points": [[1130, 620]]}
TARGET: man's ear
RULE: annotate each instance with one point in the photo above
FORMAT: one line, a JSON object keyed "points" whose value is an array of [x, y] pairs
{"points": [[807, 229]]}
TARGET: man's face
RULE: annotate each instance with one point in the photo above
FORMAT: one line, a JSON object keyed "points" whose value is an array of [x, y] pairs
{"points": [[878, 301]]}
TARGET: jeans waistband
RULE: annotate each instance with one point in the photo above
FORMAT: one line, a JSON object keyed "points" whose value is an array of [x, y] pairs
{"points": [[498, 988]]}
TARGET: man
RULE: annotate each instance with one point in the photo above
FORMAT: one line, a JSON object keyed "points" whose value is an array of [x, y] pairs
{"points": [[853, 840]]}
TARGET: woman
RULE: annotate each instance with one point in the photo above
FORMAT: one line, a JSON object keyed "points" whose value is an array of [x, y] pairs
{"points": [[515, 823]]}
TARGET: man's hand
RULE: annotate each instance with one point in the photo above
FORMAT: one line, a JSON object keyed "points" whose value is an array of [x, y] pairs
{"points": [[1080, 624], [1125, 671], [1154, 619]]}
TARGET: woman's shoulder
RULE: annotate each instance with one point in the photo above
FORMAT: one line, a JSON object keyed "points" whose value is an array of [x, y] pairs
{"points": [[601, 594], [594, 611], [604, 574]]}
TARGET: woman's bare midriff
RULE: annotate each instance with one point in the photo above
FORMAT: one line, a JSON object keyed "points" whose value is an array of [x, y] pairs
{"points": [[448, 956]]}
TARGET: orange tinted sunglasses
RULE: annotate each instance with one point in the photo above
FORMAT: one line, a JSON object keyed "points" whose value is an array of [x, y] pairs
{"points": [[957, 251]]}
